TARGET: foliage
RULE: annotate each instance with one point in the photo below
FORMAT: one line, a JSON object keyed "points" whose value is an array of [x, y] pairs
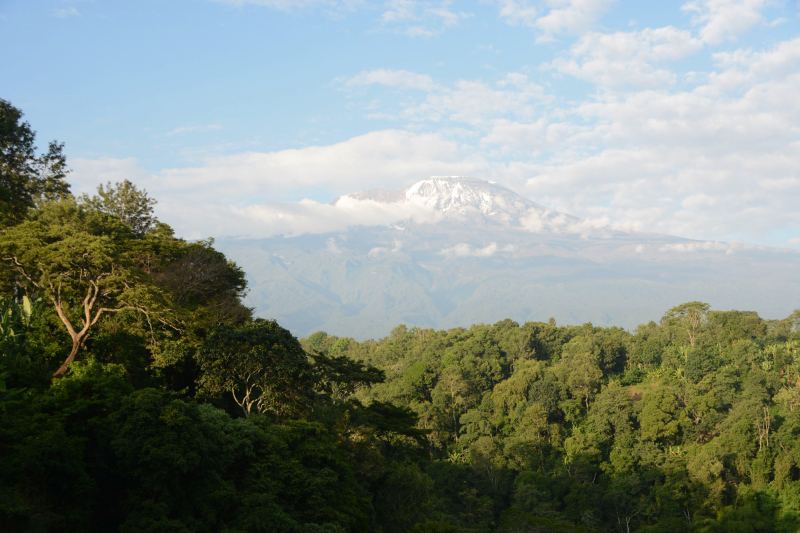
{"points": [[261, 365], [125, 202], [72, 258], [26, 179]]}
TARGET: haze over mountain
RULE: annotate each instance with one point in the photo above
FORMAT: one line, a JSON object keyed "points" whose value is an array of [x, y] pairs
{"points": [[474, 251]]}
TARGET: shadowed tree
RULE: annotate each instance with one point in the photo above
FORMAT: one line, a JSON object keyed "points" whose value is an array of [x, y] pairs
{"points": [[338, 376], [261, 365], [26, 178]]}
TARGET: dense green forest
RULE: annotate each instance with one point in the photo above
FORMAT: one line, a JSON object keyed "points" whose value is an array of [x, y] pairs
{"points": [[138, 394]]}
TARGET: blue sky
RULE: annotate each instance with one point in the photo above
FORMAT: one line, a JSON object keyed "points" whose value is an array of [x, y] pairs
{"points": [[246, 117]]}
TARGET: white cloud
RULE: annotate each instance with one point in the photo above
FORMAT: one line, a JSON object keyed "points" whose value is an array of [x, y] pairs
{"points": [[475, 102], [331, 246], [395, 156], [676, 191], [709, 246], [419, 18], [722, 20], [744, 67], [553, 17], [535, 138], [467, 101], [310, 217], [537, 221], [628, 59], [66, 12], [87, 174], [390, 78], [415, 18], [570, 17], [229, 190], [206, 217], [715, 162], [518, 12], [182, 130], [467, 250], [289, 5], [380, 251]]}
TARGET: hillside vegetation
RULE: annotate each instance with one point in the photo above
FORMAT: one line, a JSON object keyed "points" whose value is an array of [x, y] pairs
{"points": [[138, 394], [686, 425]]}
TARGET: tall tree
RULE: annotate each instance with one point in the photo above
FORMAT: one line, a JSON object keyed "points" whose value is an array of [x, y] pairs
{"points": [[581, 373], [25, 177], [71, 257], [125, 202], [204, 282], [689, 317], [338, 376], [261, 365]]}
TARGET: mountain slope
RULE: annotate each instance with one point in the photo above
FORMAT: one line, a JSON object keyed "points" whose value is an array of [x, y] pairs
{"points": [[493, 254]]}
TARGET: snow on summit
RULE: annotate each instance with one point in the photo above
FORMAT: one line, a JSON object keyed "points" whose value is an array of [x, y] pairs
{"points": [[461, 197]]}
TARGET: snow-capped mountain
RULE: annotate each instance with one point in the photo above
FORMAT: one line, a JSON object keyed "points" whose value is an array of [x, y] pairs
{"points": [[462, 198], [469, 202], [491, 254]]}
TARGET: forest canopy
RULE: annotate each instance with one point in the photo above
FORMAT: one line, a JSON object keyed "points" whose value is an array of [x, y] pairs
{"points": [[138, 393]]}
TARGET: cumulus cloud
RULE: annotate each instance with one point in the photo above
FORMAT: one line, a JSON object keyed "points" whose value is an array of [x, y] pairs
{"points": [[686, 247], [722, 20], [215, 198], [675, 191], [87, 174], [468, 101], [396, 156], [414, 18], [628, 59], [537, 221], [716, 161], [537, 137], [742, 68], [419, 18], [570, 16], [290, 5], [467, 250], [390, 78], [553, 17], [183, 130], [380, 251], [474, 102], [518, 12], [196, 220], [310, 217], [65, 12]]}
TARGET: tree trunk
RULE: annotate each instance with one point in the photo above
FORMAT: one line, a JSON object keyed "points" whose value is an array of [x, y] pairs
{"points": [[76, 345]]}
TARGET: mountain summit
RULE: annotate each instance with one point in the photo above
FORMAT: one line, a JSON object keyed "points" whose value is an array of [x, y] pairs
{"points": [[465, 199], [471, 197]]}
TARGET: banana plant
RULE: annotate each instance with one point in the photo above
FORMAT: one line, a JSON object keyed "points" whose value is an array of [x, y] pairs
{"points": [[15, 317]]}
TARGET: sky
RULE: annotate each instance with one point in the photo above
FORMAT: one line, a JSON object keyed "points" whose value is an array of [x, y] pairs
{"points": [[246, 117]]}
